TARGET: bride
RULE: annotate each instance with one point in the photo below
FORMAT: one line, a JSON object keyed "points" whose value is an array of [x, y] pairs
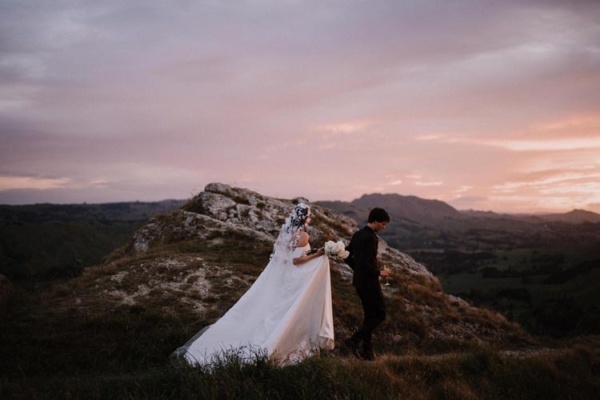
{"points": [[286, 314]]}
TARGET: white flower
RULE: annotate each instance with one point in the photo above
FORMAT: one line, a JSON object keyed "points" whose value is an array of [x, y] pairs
{"points": [[336, 250]]}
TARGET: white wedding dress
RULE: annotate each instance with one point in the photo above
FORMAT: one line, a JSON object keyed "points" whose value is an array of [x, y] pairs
{"points": [[285, 314]]}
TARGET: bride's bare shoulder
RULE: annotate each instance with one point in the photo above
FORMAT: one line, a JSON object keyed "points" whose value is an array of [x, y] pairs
{"points": [[303, 238]]}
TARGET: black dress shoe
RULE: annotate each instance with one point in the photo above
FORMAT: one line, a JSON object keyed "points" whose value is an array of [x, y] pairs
{"points": [[353, 346]]}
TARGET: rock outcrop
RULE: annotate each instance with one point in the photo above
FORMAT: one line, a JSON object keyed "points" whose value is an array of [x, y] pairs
{"points": [[221, 208]]}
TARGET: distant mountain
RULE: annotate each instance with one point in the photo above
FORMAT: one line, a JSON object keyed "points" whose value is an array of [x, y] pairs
{"points": [[418, 224], [426, 211], [408, 209], [573, 217], [487, 214], [101, 212]]}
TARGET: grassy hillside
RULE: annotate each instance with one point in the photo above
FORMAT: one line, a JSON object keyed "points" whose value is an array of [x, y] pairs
{"points": [[70, 342]]}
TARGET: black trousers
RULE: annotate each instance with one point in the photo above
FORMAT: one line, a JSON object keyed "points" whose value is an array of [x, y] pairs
{"points": [[374, 314]]}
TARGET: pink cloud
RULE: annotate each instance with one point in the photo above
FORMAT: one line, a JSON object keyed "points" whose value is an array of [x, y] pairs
{"points": [[445, 100]]}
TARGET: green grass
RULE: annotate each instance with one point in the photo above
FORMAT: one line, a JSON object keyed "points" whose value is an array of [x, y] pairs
{"points": [[134, 364]]}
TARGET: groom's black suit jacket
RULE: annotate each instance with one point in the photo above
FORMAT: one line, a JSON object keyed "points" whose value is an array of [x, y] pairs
{"points": [[363, 260]]}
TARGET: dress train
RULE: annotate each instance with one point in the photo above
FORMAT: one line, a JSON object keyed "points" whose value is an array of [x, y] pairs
{"points": [[286, 314]]}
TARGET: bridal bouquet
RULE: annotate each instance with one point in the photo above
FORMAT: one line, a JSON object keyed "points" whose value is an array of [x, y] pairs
{"points": [[336, 250]]}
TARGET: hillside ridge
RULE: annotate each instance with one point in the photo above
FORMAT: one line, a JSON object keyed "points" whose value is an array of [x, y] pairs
{"points": [[195, 262]]}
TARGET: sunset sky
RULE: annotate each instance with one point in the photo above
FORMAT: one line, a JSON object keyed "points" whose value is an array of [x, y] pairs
{"points": [[486, 105]]}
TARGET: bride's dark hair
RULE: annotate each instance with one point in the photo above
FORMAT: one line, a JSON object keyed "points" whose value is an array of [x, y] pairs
{"points": [[297, 218]]}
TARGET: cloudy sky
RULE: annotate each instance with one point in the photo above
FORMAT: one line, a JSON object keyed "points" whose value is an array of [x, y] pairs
{"points": [[487, 105]]}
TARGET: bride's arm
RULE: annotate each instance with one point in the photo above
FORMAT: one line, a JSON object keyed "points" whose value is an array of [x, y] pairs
{"points": [[303, 241], [304, 258]]}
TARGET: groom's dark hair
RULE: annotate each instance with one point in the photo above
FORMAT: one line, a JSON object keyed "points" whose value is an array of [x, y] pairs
{"points": [[378, 215]]}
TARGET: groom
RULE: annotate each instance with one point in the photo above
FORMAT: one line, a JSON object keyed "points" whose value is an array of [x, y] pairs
{"points": [[363, 261]]}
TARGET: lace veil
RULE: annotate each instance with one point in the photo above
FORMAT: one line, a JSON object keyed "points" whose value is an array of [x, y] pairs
{"points": [[290, 231]]}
